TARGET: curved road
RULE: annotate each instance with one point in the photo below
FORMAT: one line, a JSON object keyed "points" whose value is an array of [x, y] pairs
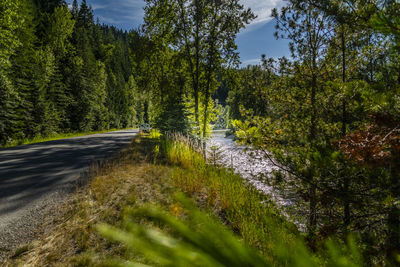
{"points": [[31, 174]]}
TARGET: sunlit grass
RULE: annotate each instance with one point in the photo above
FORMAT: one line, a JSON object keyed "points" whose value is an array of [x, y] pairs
{"points": [[154, 133], [228, 222], [196, 238], [249, 213]]}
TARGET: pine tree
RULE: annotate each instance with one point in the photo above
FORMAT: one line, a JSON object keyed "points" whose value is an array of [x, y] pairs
{"points": [[75, 9], [59, 31], [48, 6], [10, 21], [173, 116], [24, 74]]}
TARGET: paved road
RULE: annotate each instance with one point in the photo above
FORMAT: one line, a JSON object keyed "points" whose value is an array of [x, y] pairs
{"points": [[29, 174]]}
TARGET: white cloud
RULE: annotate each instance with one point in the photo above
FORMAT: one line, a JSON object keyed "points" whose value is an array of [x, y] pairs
{"points": [[109, 20], [97, 6], [254, 61], [262, 8], [121, 13], [132, 3], [131, 11]]}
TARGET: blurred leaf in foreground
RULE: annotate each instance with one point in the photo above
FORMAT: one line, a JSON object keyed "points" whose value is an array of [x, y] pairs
{"points": [[199, 241]]}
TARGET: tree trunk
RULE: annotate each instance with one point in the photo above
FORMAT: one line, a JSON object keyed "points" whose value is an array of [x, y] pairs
{"points": [[346, 218], [194, 67], [312, 227], [197, 64], [162, 85], [146, 111], [344, 113], [346, 208], [394, 233], [394, 213], [312, 189], [206, 98], [398, 77], [313, 208], [196, 101], [209, 71], [313, 109]]}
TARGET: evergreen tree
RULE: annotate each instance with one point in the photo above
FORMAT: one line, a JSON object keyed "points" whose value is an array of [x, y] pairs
{"points": [[75, 9], [25, 75], [10, 21]]}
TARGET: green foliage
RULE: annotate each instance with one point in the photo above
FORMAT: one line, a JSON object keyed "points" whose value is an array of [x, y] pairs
{"points": [[187, 236], [312, 116], [8, 101], [173, 116], [203, 33], [60, 29], [9, 23], [222, 120], [248, 90], [339, 94], [387, 21], [62, 72], [194, 242]]}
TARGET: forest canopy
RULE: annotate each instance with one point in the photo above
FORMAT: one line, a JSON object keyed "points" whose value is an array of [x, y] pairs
{"points": [[63, 72]]}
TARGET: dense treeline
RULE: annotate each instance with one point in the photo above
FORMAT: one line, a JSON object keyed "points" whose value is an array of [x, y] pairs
{"points": [[329, 118], [62, 72]]}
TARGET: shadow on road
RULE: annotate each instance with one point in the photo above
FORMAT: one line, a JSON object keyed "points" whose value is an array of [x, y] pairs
{"points": [[29, 172]]}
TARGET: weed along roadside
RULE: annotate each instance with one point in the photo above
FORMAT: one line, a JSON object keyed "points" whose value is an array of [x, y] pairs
{"points": [[160, 203]]}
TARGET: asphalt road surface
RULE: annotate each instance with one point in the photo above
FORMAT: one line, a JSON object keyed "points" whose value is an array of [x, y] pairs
{"points": [[30, 175]]}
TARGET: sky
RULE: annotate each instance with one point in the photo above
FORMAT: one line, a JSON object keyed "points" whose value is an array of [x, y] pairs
{"points": [[255, 40]]}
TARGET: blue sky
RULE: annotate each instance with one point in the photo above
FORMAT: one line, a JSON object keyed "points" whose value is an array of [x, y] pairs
{"points": [[255, 40]]}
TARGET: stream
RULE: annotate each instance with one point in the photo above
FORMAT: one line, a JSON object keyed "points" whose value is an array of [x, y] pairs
{"points": [[256, 169]]}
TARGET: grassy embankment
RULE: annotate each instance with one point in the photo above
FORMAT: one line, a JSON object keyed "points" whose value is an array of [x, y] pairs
{"points": [[151, 171], [58, 136]]}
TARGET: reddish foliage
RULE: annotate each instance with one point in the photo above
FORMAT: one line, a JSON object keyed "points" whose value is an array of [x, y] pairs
{"points": [[377, 144]]}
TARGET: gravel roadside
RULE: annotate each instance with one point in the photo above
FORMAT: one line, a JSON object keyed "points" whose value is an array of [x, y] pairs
{"points": [[29, 225], [36, 179]]}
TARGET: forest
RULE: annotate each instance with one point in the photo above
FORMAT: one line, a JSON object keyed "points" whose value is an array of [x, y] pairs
{"points": [[63, 72], [327, 117]]}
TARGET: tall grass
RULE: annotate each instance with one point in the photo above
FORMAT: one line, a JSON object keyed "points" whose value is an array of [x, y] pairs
{"points": [[198, 240], [235, 225], [190, 237], [249, 213], [183, 151]]}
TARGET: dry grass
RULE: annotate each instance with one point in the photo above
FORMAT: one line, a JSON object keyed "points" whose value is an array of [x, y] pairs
{"points": [[71, 239], [136, 178]]}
